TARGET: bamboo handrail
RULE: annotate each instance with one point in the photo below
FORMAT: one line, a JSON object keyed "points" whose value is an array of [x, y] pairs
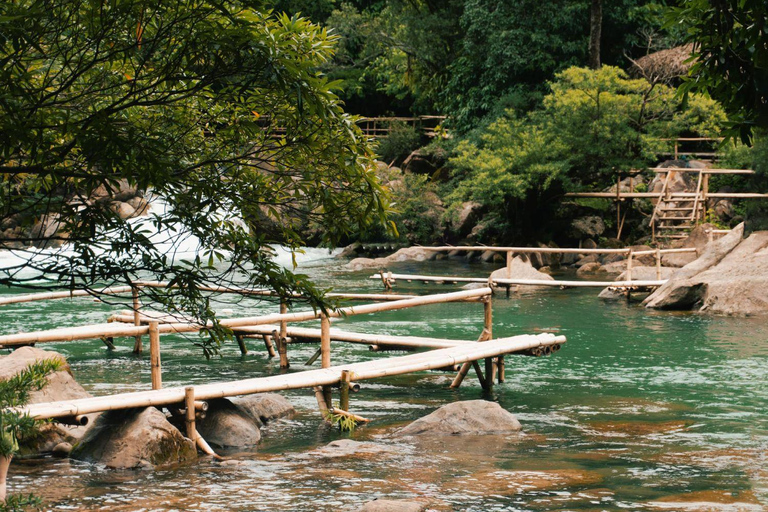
{"points": [[702, 170], [528, 282], [549, 250], [440, 358], [119, 330]]}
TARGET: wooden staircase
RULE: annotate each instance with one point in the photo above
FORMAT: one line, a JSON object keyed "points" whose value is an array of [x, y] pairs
{"points": [[677, 213]]}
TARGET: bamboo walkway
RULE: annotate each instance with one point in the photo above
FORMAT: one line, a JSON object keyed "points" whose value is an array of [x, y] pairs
{"points": [[330, 376]]}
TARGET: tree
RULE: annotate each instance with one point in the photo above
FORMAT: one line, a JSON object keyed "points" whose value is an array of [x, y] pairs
{"points": [[731, 57], [595, 29], [210, 105]]}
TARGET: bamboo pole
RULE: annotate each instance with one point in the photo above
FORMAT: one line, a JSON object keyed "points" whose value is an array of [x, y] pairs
{"points": [[464, 370], [117, 330], [268, 344], [241, 344], [154, 356], [344, 390], [32, 297], [325, 352], [342, 412], [502, 377], [488, 327], [321, 377], [314, 357], [533, 282], [137, 345], [658, 264], [192, 433]]}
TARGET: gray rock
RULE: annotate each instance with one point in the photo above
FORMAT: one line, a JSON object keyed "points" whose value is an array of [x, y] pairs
{"points": [[588, 244], [586, 260], [227, 426], [265, 407], [697, 239], [134, 438], [62, 450], [467, 218], [394, 506], [590, 268], [641, 273], [348, 448], [61, 386], [123, 210], [139, 204], [588, 227], [520, 269], [471, 417]]}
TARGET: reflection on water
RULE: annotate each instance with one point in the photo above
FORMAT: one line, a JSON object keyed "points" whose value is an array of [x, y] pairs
{"points": [[641, 410]]}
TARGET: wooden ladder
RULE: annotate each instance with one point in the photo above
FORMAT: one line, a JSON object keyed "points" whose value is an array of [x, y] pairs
{"points": [[676, 214]]}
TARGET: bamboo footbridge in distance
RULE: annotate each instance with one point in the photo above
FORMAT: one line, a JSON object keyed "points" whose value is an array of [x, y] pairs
{"points": [[627, 285], [441, 354]]}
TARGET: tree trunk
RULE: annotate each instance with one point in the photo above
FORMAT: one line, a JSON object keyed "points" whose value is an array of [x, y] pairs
{"points": [[595, 29]]}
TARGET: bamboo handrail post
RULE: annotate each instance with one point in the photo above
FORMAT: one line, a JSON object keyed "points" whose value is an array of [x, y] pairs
{"points": [[658, 264], [628, 277], [241, 343], [282, 342], [268, 344], [283, 322], [325, 352], [344, 390], [138, 347], [490, 370], [501, 376], [154, 355], [189, 403]]}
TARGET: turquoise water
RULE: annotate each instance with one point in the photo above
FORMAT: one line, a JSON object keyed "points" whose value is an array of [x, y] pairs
{"points": [[640, 410]]}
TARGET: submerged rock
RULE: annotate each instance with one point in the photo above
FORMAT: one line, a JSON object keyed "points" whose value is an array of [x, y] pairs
{"points": [[61, 386], [134, 438], [265, 407], [471, 417], [348, 448], [404, 254], [730, 277], [228, 426], [394, 506]]}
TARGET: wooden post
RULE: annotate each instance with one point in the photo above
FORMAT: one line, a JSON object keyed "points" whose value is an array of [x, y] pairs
{"points": [[509, 264], [628, 277], [282, 342], [189, 403], [138, 347], [241, 343], [268, 343], [109, 342], [283, 323], [486, 335], [704, 196], [154, 355], [658, 264], [502, 378], [344, 390], [325, 353]]}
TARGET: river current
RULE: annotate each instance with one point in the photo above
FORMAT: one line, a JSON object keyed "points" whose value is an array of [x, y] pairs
{"points": [[640, 410]]}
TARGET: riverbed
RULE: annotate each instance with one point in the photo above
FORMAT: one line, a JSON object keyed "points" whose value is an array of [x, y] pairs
{"points": [[640, 410]]}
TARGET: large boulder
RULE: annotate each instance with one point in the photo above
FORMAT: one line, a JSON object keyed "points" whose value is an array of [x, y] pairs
{"points": [[590, 226], [61, 386], [394, 506], [404, 254], [520, 269], [265, 407], [134, 438], [730, 277], [697, 239], [471, 417], [227, 426]]}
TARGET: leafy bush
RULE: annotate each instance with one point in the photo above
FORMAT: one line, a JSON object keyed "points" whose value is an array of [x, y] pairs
{"points": [[402, 140]]}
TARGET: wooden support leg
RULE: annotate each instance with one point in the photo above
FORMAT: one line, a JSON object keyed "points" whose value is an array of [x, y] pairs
{"points": [[461, 375], [314, 357], [501, 369], [325, 353], [190, 405], [321, 403], [154, 355], [109, 342], [480, 376], [344, 390], [269, 346], [138, 347], [241, 343], [282, 342], [489, 373], [486, 335]]}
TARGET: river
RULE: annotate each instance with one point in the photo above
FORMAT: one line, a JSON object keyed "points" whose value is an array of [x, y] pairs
{"points": [[640, 410]]}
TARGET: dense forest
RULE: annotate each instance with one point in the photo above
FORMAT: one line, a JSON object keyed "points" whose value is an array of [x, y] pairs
{"points": [[540, 99]]}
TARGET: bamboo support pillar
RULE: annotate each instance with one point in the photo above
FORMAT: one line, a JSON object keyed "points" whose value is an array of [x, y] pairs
{"points": [[154, 355], [658, 264], [490, 366], [241, 343], [282, 342], [268, 344], [486, 335], [325, 352], [344, 390], [138, 348], [189, 416], [109, 341], [628, 277]]}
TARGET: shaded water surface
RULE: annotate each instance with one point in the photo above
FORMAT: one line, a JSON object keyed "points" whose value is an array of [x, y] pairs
{"points": [[640, 410]]}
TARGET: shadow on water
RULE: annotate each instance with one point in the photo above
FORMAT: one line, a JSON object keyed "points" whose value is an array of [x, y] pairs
{"points": [[640, 410]]}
